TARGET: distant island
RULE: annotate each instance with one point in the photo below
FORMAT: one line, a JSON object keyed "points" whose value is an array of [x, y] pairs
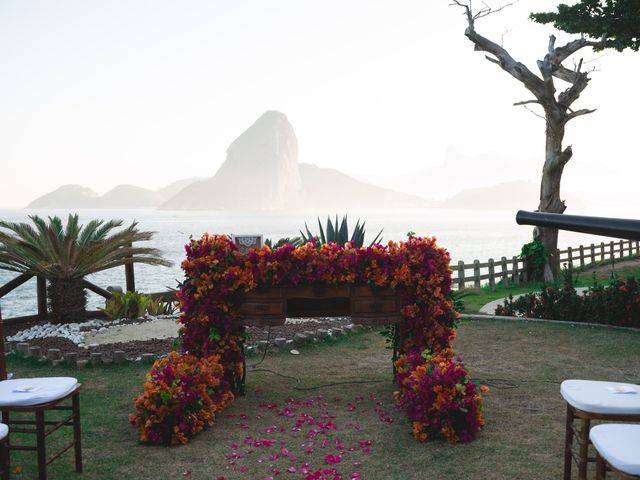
{"points": [[262, 172]]}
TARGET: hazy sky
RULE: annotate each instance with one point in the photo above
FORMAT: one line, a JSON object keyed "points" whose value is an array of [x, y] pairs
{"points": [[146, 92]]}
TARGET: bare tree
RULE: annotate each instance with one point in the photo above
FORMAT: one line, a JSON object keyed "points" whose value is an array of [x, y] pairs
{"points": [[556, 107]]}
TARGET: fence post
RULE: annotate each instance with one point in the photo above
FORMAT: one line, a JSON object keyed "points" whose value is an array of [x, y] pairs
{"points": [[41, 286], [602, 251], [621, 248], [570, 257], [492, 275], [637, 247], [460, 275], [593, 253], [129, 276], [612, 253], [476, 273], [581, 256], [525, 270], [505, 272], [516, 273]]}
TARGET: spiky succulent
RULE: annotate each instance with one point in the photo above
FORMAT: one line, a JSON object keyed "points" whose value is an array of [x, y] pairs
{"points": [[339, 233]]}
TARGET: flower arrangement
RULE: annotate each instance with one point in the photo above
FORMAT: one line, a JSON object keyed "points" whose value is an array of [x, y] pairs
{"points": [[218, 275], [181, 396], [439, 397]]}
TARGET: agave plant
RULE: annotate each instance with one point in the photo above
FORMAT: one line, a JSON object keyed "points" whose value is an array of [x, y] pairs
{"points": [[295, 241], [339, 233], [65, 255]]}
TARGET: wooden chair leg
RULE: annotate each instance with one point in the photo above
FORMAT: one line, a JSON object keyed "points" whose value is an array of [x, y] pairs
{"points": [[40, 446], [584, 448], [4, 458], [75, 399], [568, 443], [7, 453], [600, 467]]}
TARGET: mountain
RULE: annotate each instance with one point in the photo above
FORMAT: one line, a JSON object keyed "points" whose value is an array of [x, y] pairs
{"points": [[514, 195], [261, 172], [120, 197], [67, 196], [326, 187], [460, 172]]}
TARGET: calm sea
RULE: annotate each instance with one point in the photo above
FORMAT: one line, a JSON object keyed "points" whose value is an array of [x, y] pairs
{"points": [[467, 235]]}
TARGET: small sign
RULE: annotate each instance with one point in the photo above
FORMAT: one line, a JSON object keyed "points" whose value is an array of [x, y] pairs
{"points": [[246, 242]]}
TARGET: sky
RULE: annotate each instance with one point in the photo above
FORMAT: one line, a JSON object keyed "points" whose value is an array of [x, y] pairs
{"points": [[147, 92]]}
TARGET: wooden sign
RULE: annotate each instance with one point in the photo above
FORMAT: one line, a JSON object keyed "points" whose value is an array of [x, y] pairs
{"points": [[246, 242]]}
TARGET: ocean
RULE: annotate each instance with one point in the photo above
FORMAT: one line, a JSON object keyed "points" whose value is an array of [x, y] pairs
{"points": [[467, 235]]}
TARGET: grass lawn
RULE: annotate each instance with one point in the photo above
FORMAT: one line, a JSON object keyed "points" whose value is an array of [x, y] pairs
{"points": [[523, 363]]}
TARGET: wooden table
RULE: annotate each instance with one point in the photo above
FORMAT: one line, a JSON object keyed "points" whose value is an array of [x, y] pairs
{"points": [[365, 304]]}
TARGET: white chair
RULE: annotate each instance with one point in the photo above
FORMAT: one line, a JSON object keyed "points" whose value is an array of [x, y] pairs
{"points": [[35, 396], [617, 447], [589, 400]]}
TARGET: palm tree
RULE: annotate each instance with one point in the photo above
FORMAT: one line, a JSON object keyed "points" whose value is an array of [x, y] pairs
{"points": [[65, 255]]}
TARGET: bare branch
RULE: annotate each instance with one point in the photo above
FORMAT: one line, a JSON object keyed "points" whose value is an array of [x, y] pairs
{"points": [[577, 113], [535, 113], [560, 54], [525, 102], [516, 69]]}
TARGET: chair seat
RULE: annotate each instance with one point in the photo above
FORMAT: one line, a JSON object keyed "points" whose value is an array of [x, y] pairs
{"points": [[618, 444], [25, 392], [595, 397], [4, 431]]}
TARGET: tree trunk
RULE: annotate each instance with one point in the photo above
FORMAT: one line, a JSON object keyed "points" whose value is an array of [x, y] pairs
{"points": [[555, 160], [67, 300]]}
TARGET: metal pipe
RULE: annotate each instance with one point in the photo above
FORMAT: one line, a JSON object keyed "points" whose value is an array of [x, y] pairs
{"points": [[605, 226]]}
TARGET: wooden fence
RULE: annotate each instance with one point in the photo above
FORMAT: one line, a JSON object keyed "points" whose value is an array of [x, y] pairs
{"points": [[513, 271], [41, 294]]}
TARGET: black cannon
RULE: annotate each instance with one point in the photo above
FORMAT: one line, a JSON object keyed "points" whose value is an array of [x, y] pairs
{"points": [[605, 226]]}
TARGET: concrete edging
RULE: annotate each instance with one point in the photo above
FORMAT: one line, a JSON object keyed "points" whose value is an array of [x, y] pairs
{"points": [[480, 316]]}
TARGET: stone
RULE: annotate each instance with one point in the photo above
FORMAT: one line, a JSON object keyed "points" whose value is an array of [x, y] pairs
{"points": [[280, 342], [22, 348], [299, 339], [263, 345], [148, 358], [349, 328], [57, 362], [337, 331], [311, 335], [118, 357], [82, 363], [71, 358], [35, 351], [96, 358], [322, 333], [53, 354]]}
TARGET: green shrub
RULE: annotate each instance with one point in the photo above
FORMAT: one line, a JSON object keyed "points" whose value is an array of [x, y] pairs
{"points": [[126, 305], [161, 307], [535, 256], [617, 303]]}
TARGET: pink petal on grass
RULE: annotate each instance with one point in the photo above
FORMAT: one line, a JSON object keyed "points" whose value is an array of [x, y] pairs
{"points": [[332, 459]]}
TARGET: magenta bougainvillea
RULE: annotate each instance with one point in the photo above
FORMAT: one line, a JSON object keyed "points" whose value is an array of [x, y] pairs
{"points": [[218, 274]]}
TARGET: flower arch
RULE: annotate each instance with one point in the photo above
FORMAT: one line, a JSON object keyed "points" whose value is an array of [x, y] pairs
{"points": [[433, 386]]}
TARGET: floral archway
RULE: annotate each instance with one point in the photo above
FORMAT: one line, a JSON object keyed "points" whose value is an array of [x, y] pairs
{"points": [[433, 386]]}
